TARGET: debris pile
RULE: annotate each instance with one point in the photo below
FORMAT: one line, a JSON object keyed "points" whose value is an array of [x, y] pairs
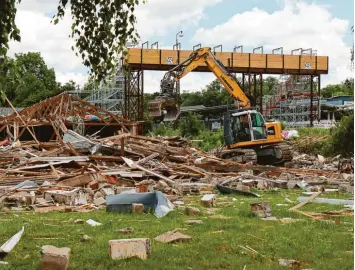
{"points": [[79, 173], [74, 172]]}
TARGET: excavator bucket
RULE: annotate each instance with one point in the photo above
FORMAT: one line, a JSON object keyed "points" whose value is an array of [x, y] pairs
{"points": [[165, 108]]}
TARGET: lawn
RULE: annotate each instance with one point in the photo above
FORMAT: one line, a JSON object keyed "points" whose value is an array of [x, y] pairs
{"points": [[215, 243]]}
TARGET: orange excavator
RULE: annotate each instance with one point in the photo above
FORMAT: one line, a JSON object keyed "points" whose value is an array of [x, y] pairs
{"points": [[248, 137]]}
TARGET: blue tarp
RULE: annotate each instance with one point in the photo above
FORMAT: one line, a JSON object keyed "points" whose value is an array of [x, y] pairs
{"points": [[151, 200]]}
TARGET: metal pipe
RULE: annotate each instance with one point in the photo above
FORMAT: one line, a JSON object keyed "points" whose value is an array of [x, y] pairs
{"points": [[145, 43], [258, 48], [155, 43], [218, 46], [305, 50], [177, 46], [311, 101], [238, 47], [299, 49], [278, 49], [197, 46]]}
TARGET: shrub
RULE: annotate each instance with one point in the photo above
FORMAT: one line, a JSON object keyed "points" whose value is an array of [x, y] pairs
{"points": [[342, 138]]}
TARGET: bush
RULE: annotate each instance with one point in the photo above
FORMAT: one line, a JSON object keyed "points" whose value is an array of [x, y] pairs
{"points": [[162, 130], [338, 140], [342, 138], [191, 126], [208, 140]]}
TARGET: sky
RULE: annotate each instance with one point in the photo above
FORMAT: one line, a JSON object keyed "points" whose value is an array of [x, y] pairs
{"points": [[323, 25]]}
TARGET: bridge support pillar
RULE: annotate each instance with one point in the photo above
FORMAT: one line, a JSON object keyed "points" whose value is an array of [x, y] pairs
{"points": [[133, 98]]}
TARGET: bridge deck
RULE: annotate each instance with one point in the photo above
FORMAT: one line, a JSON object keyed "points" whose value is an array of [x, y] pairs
{"points": [[154, 59]]}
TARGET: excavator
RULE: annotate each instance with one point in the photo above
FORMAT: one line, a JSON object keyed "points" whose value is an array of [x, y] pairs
{"points": [[248, 137]]}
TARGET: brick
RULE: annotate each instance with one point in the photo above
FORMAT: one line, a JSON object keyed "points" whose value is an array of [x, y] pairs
{"points": [[209, 200], [126, 248], [137, 208], [54, 258], [94, 184]]}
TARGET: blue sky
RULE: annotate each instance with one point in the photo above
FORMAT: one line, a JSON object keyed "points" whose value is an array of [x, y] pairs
{"points": [[323, 25]]}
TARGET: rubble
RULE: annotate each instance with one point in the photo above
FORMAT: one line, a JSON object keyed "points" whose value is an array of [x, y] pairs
{"points": [[11, 243], [209, 200], [127, 248], [192, 211], [54, 258], [172, 237], [71, 171], [126, 230], [262, 209], [193, 221]]}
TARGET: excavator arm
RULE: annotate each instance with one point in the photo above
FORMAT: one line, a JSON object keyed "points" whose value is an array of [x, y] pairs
{"points": [[169, 100]]}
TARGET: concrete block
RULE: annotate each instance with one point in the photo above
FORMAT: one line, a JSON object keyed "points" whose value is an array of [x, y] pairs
{"points": [[209, 200], [99, 201], [54, 258], [127, 248], [137, 208]]}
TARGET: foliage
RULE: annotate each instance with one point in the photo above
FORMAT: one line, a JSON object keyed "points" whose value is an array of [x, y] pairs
{"points": [[191, 125], [213, 95], [8, 29], [338, 140], [208, 140], [100, 30], [344, 88], [164, 130], [68, 86], [342, 137], [26, 79], [269, 84]]}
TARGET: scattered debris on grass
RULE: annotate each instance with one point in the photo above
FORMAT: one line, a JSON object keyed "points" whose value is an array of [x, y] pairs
{"points": [[127, 248], [54, 258], [172, 237]]}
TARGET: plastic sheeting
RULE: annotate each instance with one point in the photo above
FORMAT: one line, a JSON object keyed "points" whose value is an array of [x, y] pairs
{"points": [[151, 200], [288, 134]]}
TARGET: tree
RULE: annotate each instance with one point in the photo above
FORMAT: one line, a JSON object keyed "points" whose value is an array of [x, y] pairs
{"points": [[26, 79], [68, 86], [191, 125], [269, 84], [214, 95], [344, 88], [100, 29]]}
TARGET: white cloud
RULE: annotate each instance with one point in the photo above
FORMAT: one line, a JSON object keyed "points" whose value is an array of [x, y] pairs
{"points": [[38, 34], [296, 25], [157, 17]]}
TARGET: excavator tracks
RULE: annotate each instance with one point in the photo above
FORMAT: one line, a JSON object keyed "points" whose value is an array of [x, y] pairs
{"points": [[283, 152], [240, 155]]}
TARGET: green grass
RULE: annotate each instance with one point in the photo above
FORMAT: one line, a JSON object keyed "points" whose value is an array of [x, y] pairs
{"points": [[318, 245], [311, 131]]}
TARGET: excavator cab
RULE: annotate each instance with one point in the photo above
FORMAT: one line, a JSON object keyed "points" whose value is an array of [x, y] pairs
{"points": [[244, 126]]}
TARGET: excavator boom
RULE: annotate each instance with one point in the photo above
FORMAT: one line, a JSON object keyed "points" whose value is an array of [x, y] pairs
{"points": [[167, 104]]}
